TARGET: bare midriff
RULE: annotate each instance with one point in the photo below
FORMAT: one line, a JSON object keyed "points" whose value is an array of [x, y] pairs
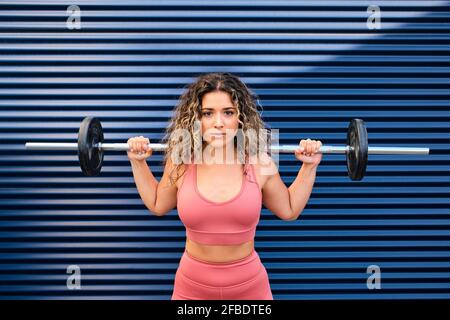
{"points": [[216, 253]]}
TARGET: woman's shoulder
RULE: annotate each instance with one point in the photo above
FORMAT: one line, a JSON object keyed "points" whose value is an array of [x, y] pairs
{"points": [[262, 161], [176, 169], [264, 167]]}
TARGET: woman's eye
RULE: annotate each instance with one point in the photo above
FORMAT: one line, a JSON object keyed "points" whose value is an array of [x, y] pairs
{"points": [[228, 113]]}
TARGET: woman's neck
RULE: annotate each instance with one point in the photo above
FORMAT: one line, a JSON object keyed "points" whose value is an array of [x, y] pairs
{"points": [[220, 156]]}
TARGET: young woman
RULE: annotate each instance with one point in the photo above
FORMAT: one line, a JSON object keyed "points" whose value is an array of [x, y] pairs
{"points": [[219, 201]]}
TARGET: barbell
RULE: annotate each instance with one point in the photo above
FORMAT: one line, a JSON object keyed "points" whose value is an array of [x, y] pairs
{"points": [[91, 148]]}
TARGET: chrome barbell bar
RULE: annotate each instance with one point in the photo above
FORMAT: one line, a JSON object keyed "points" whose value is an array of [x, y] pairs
{"points": [[274, 148]]}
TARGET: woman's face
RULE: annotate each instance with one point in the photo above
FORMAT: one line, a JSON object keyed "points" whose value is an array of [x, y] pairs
{"points": [[219, 116]]}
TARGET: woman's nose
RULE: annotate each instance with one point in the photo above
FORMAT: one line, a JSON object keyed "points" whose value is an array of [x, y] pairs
{"points": [[218, 121]]}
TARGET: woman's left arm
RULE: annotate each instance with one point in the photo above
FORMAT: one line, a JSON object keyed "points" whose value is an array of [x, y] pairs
{"points": [[300, 190], [288, 203]]}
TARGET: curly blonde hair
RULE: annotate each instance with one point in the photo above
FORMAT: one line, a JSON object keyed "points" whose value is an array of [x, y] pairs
{"points": [[187, 113]]}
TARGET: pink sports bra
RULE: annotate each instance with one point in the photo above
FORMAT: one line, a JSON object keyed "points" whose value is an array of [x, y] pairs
{"points": [[219, 223]]}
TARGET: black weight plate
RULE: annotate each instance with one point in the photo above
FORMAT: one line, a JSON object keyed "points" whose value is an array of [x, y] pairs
{"points": [[91, 158], [357, 158]]}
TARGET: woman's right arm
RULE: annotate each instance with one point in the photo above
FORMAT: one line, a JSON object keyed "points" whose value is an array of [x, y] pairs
{"points": [[158, 197]]}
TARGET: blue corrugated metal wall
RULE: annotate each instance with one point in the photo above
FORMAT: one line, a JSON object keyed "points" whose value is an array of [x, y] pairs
{"points": [[315, 66]]}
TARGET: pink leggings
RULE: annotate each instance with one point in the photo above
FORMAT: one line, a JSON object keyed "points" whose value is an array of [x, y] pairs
{"points": [[244, 279]]}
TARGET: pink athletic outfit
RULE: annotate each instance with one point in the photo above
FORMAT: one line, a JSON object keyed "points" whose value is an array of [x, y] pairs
{"points": [[220, 223]]}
